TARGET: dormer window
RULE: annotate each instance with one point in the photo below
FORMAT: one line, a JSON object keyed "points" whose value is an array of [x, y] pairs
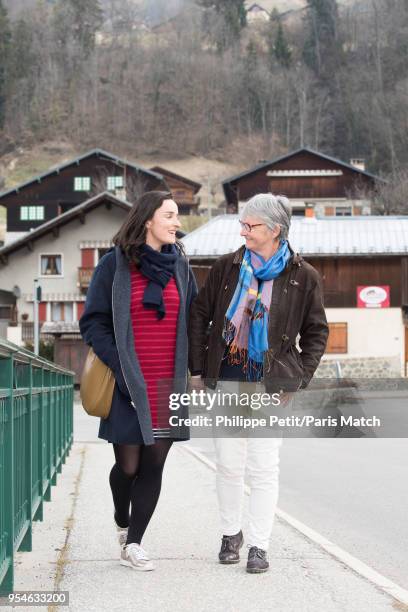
{"points": [[82, 183], [114, 182], [31, 213]]}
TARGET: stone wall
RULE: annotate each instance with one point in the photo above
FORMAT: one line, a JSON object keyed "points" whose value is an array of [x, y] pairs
{"points": [[364, 367]]}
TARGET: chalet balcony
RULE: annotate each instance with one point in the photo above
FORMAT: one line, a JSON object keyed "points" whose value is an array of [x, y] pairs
{"points": [[84, 277]]}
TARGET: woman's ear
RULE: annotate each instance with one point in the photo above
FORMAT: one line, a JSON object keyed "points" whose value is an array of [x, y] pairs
{"points": [[277, 232]]}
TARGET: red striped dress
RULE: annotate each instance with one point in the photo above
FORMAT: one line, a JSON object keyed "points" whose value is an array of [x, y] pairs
{"points": [[155, 346]]}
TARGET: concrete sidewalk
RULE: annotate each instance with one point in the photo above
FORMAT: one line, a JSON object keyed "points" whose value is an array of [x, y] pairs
{"points": [[75, 549]]}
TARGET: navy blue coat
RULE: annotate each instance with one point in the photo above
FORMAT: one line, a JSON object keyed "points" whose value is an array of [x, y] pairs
{"points": [[106, 326]]}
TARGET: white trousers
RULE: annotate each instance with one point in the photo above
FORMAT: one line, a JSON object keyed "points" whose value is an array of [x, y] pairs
{"points": [[260, 457]]}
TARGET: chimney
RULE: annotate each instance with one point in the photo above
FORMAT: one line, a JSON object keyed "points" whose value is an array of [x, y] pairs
{"points": [[358, 162], [309, 211]]}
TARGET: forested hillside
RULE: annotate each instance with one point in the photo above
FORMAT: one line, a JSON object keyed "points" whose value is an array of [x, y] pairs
{"points": [[205, 82]]}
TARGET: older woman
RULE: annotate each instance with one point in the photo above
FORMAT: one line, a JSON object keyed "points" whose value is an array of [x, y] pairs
{"points": [[256, 302]]}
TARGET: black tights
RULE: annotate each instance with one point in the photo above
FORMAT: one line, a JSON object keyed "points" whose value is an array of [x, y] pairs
{"points": [[136, 479]]}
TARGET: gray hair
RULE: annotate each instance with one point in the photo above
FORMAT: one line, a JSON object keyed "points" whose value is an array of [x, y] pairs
{"points": [[272, 209]]}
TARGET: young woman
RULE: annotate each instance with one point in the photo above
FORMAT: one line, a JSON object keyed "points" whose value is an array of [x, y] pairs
{"points": [[258, 300], [135, 318]]}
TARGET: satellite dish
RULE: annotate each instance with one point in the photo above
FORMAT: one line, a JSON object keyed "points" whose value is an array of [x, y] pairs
{"points": [[16, 291]]}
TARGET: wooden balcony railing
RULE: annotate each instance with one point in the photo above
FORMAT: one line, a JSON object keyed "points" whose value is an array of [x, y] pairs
{"points": [[84, 277]]}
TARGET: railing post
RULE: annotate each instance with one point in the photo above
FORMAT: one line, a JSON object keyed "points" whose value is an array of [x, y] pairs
{"points": [[27, 381], [53, 420], [59, 423], [47, 426], [41, 444], [6, 585]]}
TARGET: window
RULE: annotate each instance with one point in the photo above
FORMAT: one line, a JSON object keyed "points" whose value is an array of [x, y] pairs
{"points": [[56, 311], [82, 183], [62, 311], [114, 182], [343, 211], [68, 312], [31, 213], [51, 265], [5, 312], [337, 342]]}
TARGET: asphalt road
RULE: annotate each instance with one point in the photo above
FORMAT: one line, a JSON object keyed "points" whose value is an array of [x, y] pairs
{"points": [[353, 492]]}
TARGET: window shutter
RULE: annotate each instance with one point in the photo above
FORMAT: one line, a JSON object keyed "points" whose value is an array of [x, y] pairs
{"points": [[337, 342], [87, 256], [42, 311], [80, 309]]}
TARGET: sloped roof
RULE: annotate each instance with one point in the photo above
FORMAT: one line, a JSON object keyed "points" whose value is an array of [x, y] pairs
{"points": [[65, 218], [263, 165], [77, 160], [360, 235], [184, 179]]}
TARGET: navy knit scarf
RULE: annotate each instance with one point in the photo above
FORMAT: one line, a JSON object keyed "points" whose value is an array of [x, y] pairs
{"points": [[158, 267]]}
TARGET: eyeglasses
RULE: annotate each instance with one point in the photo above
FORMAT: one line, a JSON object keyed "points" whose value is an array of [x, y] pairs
{"points": [[248, 226]]}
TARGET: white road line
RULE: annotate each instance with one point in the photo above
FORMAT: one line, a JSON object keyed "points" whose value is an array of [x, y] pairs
{"points": [[380, 581]]}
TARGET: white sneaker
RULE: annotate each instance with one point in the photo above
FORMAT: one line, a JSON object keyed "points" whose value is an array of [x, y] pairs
{"points": [[122, 533], [135, 557]]}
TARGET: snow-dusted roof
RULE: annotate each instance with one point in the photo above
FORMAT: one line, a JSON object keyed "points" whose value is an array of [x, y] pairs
{"points": [[359, 235]]}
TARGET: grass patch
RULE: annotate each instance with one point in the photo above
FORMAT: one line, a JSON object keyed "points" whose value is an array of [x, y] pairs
{"points": [[27, 169]]}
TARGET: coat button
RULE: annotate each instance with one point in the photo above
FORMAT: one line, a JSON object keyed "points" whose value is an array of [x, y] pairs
{"points": [[285, 337], [226, 287], [285, 290]]}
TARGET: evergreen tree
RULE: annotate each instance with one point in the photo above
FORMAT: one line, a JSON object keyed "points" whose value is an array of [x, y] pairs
{"points": [[87, 18], [21, 57], [251, 85], [322, 50], [233, 14], [251, 58], [282, 50], [4, 52]]}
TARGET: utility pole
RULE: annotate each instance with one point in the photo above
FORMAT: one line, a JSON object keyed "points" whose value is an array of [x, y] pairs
{"points": [[37, 300]]}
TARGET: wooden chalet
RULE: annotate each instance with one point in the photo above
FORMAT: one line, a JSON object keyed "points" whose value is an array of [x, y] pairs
{"points": [[184, 190], [255, 13], [350, 253], [46, 196], [315, 183]]}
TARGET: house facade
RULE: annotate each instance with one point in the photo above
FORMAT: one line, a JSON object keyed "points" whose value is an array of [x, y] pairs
{"points": [[60, 189], [316, 184], [183, 189], [62, 255], [256, 13], [363, 262]]}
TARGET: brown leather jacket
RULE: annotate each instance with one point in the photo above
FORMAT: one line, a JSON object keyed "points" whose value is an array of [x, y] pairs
{"points": [[296, 308]]}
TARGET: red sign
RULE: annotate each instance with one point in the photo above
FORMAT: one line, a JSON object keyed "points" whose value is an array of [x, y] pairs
{"points": [[373, 296]]}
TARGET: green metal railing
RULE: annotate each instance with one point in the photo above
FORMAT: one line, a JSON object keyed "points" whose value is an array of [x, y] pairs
{"points": [[36, 435]]}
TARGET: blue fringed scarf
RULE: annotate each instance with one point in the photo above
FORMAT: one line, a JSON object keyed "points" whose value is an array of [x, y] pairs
{"points": [[247, 317]]}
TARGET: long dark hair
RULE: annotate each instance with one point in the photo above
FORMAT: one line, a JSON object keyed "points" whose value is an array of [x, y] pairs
{"points": [[132, 234]]}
